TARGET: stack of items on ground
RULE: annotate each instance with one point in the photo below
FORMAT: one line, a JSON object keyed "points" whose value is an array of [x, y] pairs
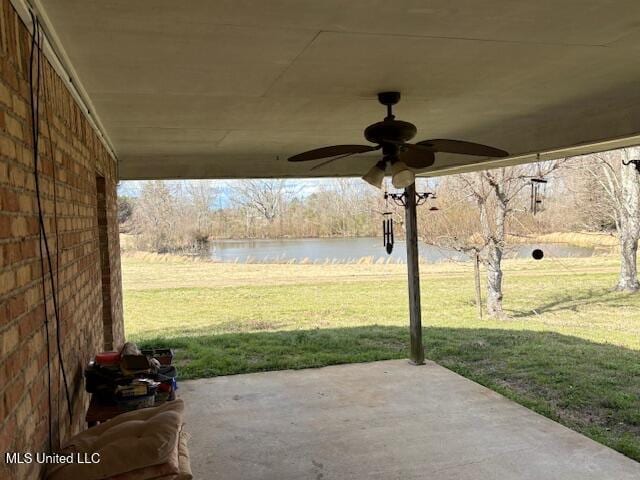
{"points": [[132, 378], [141, 436]]}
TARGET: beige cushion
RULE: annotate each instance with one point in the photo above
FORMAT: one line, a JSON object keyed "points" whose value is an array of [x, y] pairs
{"points": [[184, 464], [142, 444]]}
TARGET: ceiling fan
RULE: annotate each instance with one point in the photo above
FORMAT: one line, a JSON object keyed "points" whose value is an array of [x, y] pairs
{"points": [[392, 136]]}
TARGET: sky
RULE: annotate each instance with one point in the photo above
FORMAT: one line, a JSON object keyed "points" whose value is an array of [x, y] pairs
{"points": [[304, 187]]}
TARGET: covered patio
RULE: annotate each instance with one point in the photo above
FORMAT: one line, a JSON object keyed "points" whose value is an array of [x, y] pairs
{"points": [[215, 90], [380, 420]]}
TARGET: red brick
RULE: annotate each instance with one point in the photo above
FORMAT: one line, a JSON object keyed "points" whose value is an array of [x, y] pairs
{"points": [[4, 317], [5, 226], [28, 249], [7, 434], [8, 200], [17, 306], [13, 392]]}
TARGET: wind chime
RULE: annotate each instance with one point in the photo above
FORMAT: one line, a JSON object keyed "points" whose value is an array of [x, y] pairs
{"points": [[387, 227], [538, 190]]}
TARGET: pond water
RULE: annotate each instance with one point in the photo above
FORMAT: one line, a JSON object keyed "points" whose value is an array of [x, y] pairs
{"points": [[344, 250]]}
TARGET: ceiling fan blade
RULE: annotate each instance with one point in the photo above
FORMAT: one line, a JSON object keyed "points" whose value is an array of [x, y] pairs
{"points": [[462, 147], [326, 162], [332, 151], [416, 157]]}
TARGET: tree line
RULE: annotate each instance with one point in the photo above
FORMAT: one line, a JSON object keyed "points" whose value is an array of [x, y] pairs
{"points": [[176, 215]]}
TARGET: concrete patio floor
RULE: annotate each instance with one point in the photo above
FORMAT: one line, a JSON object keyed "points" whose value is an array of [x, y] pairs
{"points": [[380, 420]]}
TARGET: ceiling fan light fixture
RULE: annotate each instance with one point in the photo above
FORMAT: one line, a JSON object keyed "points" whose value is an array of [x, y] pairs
{"points": [[401, 176], [375, 175]]}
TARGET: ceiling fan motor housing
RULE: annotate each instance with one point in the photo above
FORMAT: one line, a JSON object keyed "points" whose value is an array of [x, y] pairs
{"points": [[390, 131]]}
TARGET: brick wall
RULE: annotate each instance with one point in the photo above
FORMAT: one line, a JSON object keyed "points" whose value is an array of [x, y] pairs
{"points": [[77, 160]]}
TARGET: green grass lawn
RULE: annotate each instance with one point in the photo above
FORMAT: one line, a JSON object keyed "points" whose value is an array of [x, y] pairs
{"points": [[570, 350]]}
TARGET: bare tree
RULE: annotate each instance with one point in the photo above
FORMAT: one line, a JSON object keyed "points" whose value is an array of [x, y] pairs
{"points": [[200, 197], [267, 197], [156, 217], [454, 227], [481, 205], [349, 205], [614, 188], [125, 209]]}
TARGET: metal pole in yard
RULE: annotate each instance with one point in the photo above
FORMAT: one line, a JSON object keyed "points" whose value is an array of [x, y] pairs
{"points": [[476, 275]]}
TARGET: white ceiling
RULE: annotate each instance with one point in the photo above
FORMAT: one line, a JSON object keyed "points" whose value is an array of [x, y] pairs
{"points": [[224, 89]]}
